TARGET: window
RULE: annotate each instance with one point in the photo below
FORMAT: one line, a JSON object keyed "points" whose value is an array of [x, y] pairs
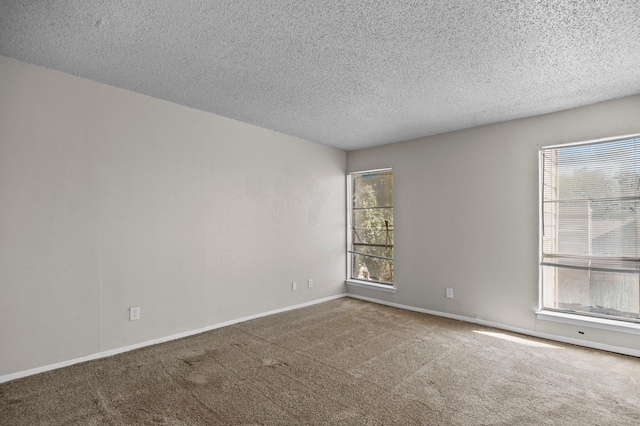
{"points": [[590, 229], [370, 233]]}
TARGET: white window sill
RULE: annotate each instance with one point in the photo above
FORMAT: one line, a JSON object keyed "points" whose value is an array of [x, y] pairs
{"points": [[371, 285], [586, 321]]}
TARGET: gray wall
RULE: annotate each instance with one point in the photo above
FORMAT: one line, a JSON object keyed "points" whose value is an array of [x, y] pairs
{"points": [[466, 216], [110, 199]]}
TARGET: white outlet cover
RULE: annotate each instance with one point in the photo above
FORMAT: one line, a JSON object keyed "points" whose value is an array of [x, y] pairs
{"points": [[449, 293], [294, 286], [134, 313], [310, 283]]}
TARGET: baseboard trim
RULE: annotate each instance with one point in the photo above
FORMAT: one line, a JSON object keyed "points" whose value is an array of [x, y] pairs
{"points": [[111, 352], [533, 333]]}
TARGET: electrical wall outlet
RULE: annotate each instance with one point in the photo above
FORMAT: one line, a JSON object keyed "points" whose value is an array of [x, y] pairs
{"points": [[449, 293], [134, 313], [310, 283], [294, 286]]}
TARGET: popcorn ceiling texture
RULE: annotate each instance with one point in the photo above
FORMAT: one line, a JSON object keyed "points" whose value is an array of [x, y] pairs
{"points": [[349, 74]]}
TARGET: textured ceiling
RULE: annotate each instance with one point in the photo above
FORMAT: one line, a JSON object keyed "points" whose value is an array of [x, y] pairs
{"points": [[348, 74]]}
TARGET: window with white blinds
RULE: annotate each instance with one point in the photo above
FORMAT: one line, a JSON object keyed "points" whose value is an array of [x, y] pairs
{"points": [[590, 217]]}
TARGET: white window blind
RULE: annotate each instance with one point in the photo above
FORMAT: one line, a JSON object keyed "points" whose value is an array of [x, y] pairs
{"points": [[591, 206]]}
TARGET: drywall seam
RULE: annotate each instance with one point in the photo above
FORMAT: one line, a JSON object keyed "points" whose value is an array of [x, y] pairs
{"points": [[111, 352], [578, 342]]}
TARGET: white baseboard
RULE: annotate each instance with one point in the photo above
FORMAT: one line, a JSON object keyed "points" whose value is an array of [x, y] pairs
{"points": [[104, 354], [111, 352], [533, 333]]}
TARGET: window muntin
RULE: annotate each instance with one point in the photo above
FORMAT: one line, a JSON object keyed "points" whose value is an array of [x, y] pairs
{"points": [[590, 242], [371, 226]]}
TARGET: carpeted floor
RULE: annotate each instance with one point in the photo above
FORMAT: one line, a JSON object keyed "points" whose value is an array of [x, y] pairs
{"points": [[339, 362]]}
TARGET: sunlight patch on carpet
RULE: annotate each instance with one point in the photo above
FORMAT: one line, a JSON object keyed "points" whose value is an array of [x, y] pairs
{"points": [[517, 339]]}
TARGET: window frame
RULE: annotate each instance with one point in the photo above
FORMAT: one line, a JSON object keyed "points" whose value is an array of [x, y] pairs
{"points": [[372, 284], [610, 323]]}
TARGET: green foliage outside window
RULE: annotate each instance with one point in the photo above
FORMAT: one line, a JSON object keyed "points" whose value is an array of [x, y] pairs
{"points": [[372, 220]]}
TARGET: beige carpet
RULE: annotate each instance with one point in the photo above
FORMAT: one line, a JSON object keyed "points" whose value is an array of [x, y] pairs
{"points": [[339, 362]]}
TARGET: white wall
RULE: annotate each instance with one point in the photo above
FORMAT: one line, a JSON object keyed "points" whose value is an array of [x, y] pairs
{"points": [[110, 199], [466, 216]]}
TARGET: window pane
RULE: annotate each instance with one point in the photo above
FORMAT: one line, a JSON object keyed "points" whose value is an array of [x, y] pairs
{"points": [[375, 251], [371, 268], [373, 226], [591, 205], [373, 217], [573, 227], [373, 190], [593, 228], [610, 294], [614, 228]]}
